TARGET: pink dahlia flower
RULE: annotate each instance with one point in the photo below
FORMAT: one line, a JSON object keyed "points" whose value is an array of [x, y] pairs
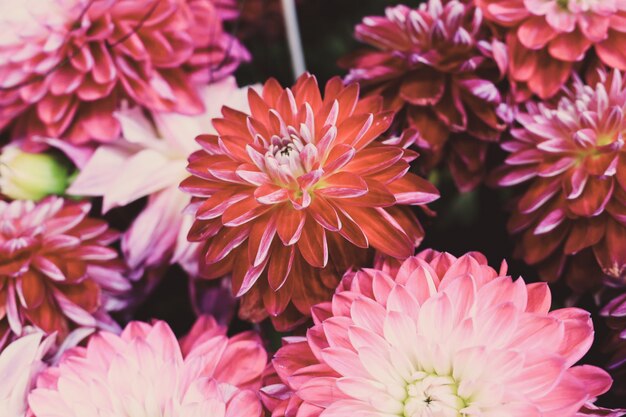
{"points": [[437, 65], [571, 157], [546, 38], [144, 373], [56, 270], [66, 64], [20, 364], [149, 161], [291, 194], [438, 336]]}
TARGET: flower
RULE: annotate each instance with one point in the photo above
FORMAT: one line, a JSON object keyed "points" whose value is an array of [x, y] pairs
{"points": [[438, 64], [65, 65], [144, 373], [30, 176], [150, 160], [438, 336], [546, 38], [570, 155], [56, 271], [289, 197], [20, 364]]}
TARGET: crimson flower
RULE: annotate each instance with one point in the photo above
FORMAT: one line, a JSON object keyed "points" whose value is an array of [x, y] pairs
{"points": [[571, 156], [437, 63], [290, 196], [66, 64], [56, 271]]}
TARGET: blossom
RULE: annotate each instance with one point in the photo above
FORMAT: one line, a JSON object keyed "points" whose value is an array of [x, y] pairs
{"points": [[145, 373], [289, 197], [547, 38], [30, 176], [20, 364], [66, 64], [570, 156], [149, 161], [56, 270], [438, 336], [438, 64]]}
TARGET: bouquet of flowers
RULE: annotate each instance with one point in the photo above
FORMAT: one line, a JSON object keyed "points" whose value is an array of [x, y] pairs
{"points": [[312, 208]]}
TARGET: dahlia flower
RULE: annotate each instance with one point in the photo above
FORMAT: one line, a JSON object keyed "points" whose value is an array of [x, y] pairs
{"points": [[20, 363], [290, 196], [56, 271], [438, 63], [150, 160], [570, 155], [66, 64], [546, 38], [144, 373], [439, 336]]}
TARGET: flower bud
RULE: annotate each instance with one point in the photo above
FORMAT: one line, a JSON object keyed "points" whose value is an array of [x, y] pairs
{"points": [[31, 176]]}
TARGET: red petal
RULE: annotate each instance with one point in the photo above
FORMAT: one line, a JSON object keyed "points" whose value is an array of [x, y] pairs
{"points": [[382, 234], [343, 185], [227, 239], [324, 213], [280, 264], [413, 190], [423, 87], [594, 197], [289, 224], [313, 245], [243, 211]]}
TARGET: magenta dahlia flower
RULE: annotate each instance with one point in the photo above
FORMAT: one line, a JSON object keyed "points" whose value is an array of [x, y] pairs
{"points": [[571, 157], [66, 64], [437, 65], [144, 373], [290, 196], [56, 270], [546, 38], [438, 336]]}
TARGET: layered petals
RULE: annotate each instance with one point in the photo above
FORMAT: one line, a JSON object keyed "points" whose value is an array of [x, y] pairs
{"points": [[66, 67], [571, 157], [436, 335], [57, 271], [144, 372], [291, 195], [547, 38], [438, 65]]}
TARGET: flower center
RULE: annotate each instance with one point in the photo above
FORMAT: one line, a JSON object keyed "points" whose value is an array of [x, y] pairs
{"points": [[285, 152], [432, 396]]}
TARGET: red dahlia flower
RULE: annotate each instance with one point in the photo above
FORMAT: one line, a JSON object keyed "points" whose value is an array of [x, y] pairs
{"points": [[290, 196], [571, 154], [56, 270], [66, 64], [437, 63], [547, 37]]}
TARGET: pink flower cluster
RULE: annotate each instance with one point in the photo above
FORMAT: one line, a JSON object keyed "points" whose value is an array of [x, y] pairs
{"points": [[276, 224]]}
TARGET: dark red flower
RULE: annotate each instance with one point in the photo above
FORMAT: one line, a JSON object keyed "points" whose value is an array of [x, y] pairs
{"points": [[436, 63]]}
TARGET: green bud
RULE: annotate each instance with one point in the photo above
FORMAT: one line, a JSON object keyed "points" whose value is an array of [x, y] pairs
{"points": [[31, 176]]}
